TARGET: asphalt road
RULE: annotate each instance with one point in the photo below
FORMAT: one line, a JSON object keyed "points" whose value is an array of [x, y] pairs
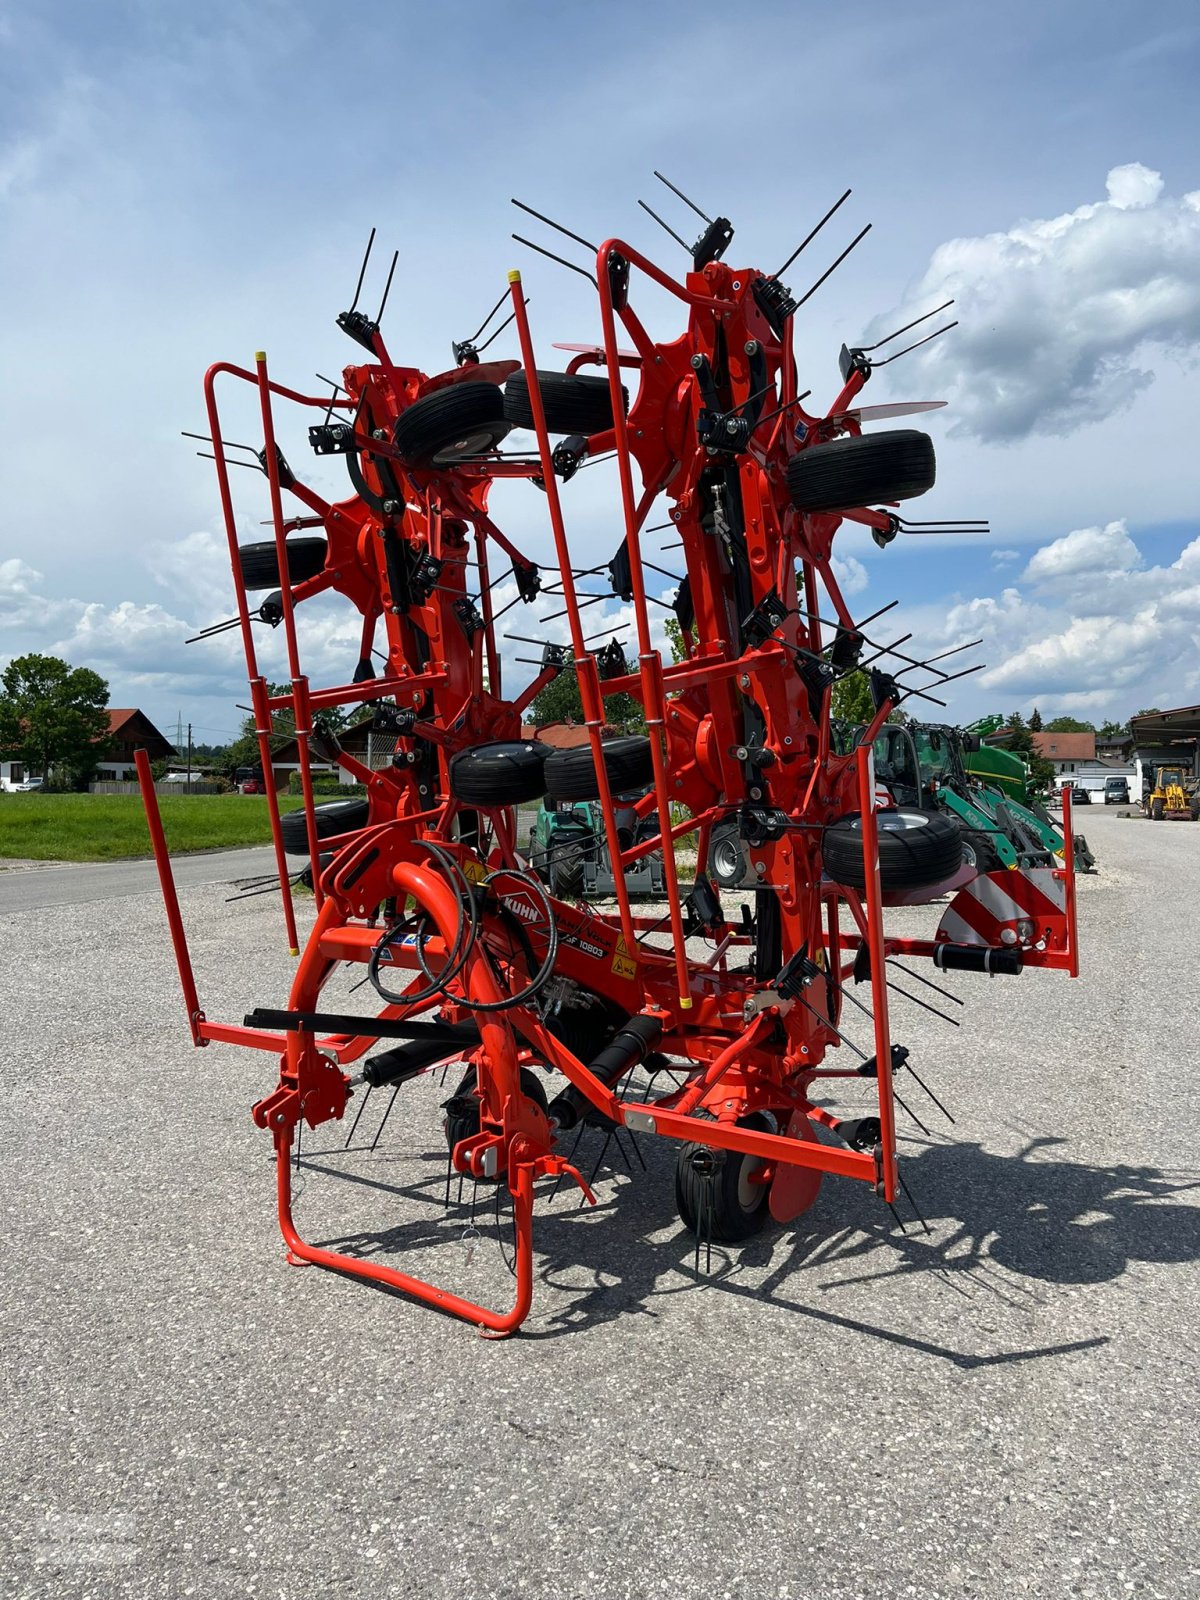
{"points": [[1003, 1407], [30, 887]]}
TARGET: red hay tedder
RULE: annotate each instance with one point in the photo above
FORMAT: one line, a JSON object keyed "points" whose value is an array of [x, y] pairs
{"points": [[552, 1007]]}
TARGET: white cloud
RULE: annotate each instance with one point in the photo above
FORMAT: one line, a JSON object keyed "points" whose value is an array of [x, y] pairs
{"points": [[851, 575], [1056, 315], [1087, 627], [1001, 558]]}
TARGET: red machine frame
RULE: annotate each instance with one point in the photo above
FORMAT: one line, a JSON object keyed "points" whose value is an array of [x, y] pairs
{"points": [[754, 1047]]}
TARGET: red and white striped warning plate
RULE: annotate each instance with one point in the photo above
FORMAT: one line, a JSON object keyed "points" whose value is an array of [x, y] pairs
{"points": [[1009, 909]]}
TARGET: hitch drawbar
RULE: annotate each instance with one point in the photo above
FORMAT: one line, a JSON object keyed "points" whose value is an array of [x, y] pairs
{"points": [[978, 958], [630, 1044]]}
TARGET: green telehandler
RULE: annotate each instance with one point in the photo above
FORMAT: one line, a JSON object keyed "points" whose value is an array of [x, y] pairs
{"points": [[922, 764]]}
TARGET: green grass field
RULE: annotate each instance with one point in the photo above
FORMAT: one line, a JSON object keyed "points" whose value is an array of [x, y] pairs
{"points": [[109, 827]]}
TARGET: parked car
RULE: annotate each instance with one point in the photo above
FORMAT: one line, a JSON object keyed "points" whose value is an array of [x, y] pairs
{"points": [[1116, 791], [1081, 796], [253, 786], [29, 786]]}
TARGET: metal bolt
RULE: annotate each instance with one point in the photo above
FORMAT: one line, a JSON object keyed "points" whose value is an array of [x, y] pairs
{"points": [[744, 680], [787, 738], [751, 344], [379, 433], [697, 363]]}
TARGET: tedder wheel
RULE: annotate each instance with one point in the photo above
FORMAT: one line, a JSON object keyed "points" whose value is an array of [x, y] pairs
{"points": [[332, 817], [467, 419], [842, 473], [979, 852], [916, 849], [462, 1109], [572, 404], [260, 562], [727, 856], [1156, 810], [564, 871], [715, 1192], [571, 775], [500, 774]]}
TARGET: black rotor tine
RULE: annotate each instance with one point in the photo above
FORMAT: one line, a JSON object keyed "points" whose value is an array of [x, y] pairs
{"points": [[958, 1001], [912, 1202], [908, 348], [550, 223], [829, 270], [358, 1117], [562, 260], [362, 272], [493, 337], [621, 1149], [385, 1116], [811, 236], [925, 316], [682, 196], [910, 1112], [666, 227], [896, 1214], [596, 1168], [387, 288], [921, 1082], [489, 317], [923, 1003], [570, 1158]]}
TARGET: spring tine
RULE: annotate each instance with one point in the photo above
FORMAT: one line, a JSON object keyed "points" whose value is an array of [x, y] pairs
{"points": [[896, 1214], [921, 1082], [936, 335], [550, 223], [682, 197], [362, 271], [908, 972], [666, 227], [493, 337], [923, 1003], [570, 1158], [596, 1168], [489, 317], [385, 1116], [879, 343], [621, 1150], [828, 1024], [856, 240], [810, 237], [387, 288], [913, 1203], [910, 1111], [562, 260], [358, 1118]]}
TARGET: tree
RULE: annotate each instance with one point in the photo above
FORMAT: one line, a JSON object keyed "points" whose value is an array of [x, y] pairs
{"points": [[1112, 730], [53, 717], [1067, 725], [851, 701], [243, 752], [560, 701], [674, 635], [1020, 740], [1035, 721]]}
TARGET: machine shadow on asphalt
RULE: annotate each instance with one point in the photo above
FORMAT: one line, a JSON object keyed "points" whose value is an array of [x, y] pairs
{"points": [[1064, 1224]]}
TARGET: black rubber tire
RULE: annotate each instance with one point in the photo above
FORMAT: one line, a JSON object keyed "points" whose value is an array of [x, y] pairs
{"points": [[466, 419], [916, 849], [1194, 810], [332, 817], [564, 871], [572, 403], [1156, 810], [462, 1119], [571, 775], [500, 774], [737, 1211], [843, 473], [980, 851], [260, 562]]}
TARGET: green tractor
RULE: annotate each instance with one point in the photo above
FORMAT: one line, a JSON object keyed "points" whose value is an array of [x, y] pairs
{"points": [[923, 765], [569, 851]]}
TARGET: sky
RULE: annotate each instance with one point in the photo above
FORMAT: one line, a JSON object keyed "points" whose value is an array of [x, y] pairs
{"points": [[183, 184]]}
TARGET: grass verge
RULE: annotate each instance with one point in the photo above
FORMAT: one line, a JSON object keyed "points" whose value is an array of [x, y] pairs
{"points": [[112, 827]]}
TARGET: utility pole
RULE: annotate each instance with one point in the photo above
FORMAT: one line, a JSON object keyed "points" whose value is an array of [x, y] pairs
{"points": [[189, 759]]}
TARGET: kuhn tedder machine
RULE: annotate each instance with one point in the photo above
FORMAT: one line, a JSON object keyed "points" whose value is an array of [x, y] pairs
{"points": [[552, 1006]]}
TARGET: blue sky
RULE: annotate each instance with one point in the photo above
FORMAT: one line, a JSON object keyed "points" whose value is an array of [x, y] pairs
{"points": [[179, 185]]}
